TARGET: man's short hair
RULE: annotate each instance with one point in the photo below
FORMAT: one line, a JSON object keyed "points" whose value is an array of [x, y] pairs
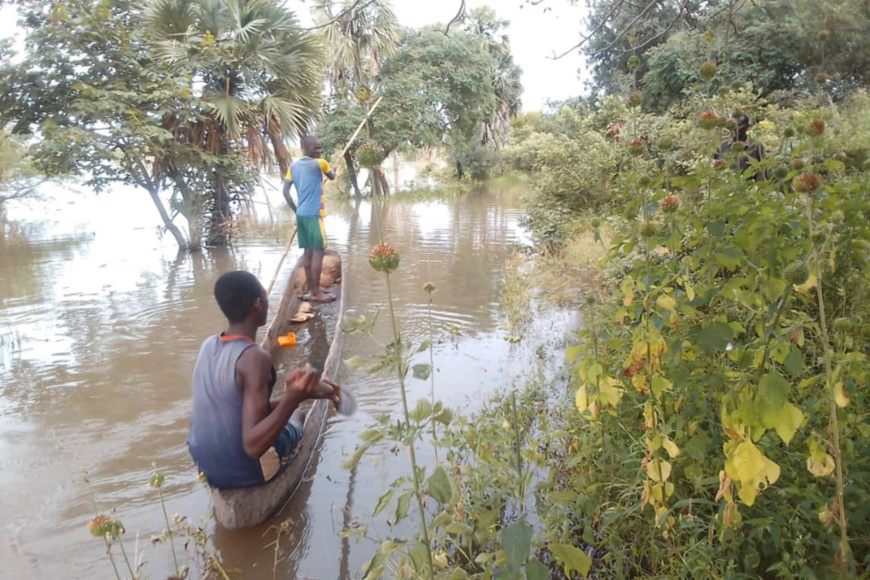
{"points": [[236, 293], [308, 140]]}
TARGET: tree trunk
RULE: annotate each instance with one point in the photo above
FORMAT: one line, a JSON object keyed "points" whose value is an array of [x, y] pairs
{"points": [[351, 172], [220, 211], [396, 170], [460, 172], [384, 186], [192, 210], [167, 221]]}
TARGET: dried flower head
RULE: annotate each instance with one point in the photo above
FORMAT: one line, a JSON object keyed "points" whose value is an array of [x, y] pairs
{"points": [[708, 120], [670, 204], [99, 525], [788, 133], [708, 70], [369, 155], [738, 146], [816, 127], [821, 78], [807, 183], [635, 99], [384, 258], [720, 164], [824, 35], [798, 163], [636, 147], [429, 287]]}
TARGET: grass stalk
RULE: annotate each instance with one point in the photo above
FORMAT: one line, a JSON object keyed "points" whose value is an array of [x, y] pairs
{"points": [[168, 529]]}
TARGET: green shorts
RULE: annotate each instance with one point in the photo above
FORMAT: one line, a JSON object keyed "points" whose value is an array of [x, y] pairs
{"points": [[311, 233]]}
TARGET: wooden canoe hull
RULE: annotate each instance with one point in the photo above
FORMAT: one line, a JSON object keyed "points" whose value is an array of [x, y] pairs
{"points": [[249, 507]]}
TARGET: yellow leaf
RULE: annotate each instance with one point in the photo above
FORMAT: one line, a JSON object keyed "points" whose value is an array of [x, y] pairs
{"points": [[582, 399], [821, 467], [787, 422], [811, 283], [653, 444], [690, 291], [671, 447], [639, 382], [666, 302], [609, 392], [658, 470], [627, 292], [749, 464], [841, 397]]}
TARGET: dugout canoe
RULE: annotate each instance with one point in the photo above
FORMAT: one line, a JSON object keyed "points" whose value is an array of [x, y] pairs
{"points": [[248, 507]]}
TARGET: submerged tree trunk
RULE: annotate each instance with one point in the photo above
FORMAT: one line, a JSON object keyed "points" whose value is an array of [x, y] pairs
{"points": [[383, 185], [192, 211], [183, 244], [220, 211], [351, 172]]}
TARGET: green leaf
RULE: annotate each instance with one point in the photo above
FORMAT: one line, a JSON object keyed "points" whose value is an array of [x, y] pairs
{"points": [[536, 571], [794, 362], [422, 371], [572, 353], [516, 539], [444, 417], [730, 257], [355, 362], [572, 559], [422, 411], [697, 446], [772, 392], [424, 345], [439, 486], [715, 337], [402, 505], [419, 557], [383, 502]]}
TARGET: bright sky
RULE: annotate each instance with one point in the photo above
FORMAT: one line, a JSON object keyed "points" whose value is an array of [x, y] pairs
{"points": [[535, 35]]}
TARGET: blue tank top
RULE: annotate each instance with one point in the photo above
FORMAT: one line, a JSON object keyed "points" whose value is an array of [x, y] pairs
{"points": [[215, 439]]}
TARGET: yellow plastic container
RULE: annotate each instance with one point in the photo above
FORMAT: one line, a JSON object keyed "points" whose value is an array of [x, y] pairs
{"points": [[287, 341]]}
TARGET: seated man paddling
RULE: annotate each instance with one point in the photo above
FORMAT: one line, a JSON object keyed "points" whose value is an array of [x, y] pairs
{"points": [[307, 173], [240, 436]]}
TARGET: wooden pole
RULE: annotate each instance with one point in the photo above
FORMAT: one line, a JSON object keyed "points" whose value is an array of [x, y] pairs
{"points": [[356, 133], [281, 262]]}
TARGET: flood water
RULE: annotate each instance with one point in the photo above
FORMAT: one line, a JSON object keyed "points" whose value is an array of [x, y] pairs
{"points": [[100, 324]]}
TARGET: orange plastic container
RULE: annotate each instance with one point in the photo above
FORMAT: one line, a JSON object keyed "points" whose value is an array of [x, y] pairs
{"points": [[287, 341]]}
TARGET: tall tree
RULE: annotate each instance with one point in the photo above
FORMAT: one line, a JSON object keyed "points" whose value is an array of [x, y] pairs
{"points": [[483, 24], [89, 91], [258, 73], [359, 38]]}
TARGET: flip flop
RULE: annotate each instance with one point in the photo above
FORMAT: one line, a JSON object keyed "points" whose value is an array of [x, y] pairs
{"points": [[304, 297]]}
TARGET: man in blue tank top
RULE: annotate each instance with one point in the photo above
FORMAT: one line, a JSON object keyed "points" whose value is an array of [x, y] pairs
{"points": [[240, 436]]}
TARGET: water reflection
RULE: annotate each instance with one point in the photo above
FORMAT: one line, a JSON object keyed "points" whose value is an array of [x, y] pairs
{"points": [[110, 320]]}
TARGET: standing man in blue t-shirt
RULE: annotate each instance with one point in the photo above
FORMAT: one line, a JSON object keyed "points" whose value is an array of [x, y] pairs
{"points": [[307, 173]]}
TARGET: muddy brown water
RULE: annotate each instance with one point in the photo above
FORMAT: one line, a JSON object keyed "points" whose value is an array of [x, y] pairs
{"points": [[100, 323]]}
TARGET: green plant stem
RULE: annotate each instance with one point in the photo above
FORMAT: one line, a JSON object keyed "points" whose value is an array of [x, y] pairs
{"points": [[432, 380], [168, 529], [770, 334], [834, 422], [111, 558], [126, 560], [400, 371], [518, 448]]}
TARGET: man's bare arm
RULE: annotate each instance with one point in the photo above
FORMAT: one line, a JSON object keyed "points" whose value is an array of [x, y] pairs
{"points": [[261, 428], [287, 196]]}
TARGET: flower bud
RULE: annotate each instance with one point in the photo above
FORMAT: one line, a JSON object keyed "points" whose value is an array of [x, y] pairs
{"points": [[633, 63], [647, 230], [635, 99], [816, 127], [670, 204], [644, 181], [595, 223], [708, 120], [781, 172], [788, 133], [636, 148], [796, 274]]}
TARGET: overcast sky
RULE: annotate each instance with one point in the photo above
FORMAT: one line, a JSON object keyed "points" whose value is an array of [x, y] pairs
{"points": [[534, 34]]}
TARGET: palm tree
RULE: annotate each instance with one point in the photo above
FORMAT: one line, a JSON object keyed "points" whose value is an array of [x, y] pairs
{"points": [[358, 38], [257, 76], [483, 24]]}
